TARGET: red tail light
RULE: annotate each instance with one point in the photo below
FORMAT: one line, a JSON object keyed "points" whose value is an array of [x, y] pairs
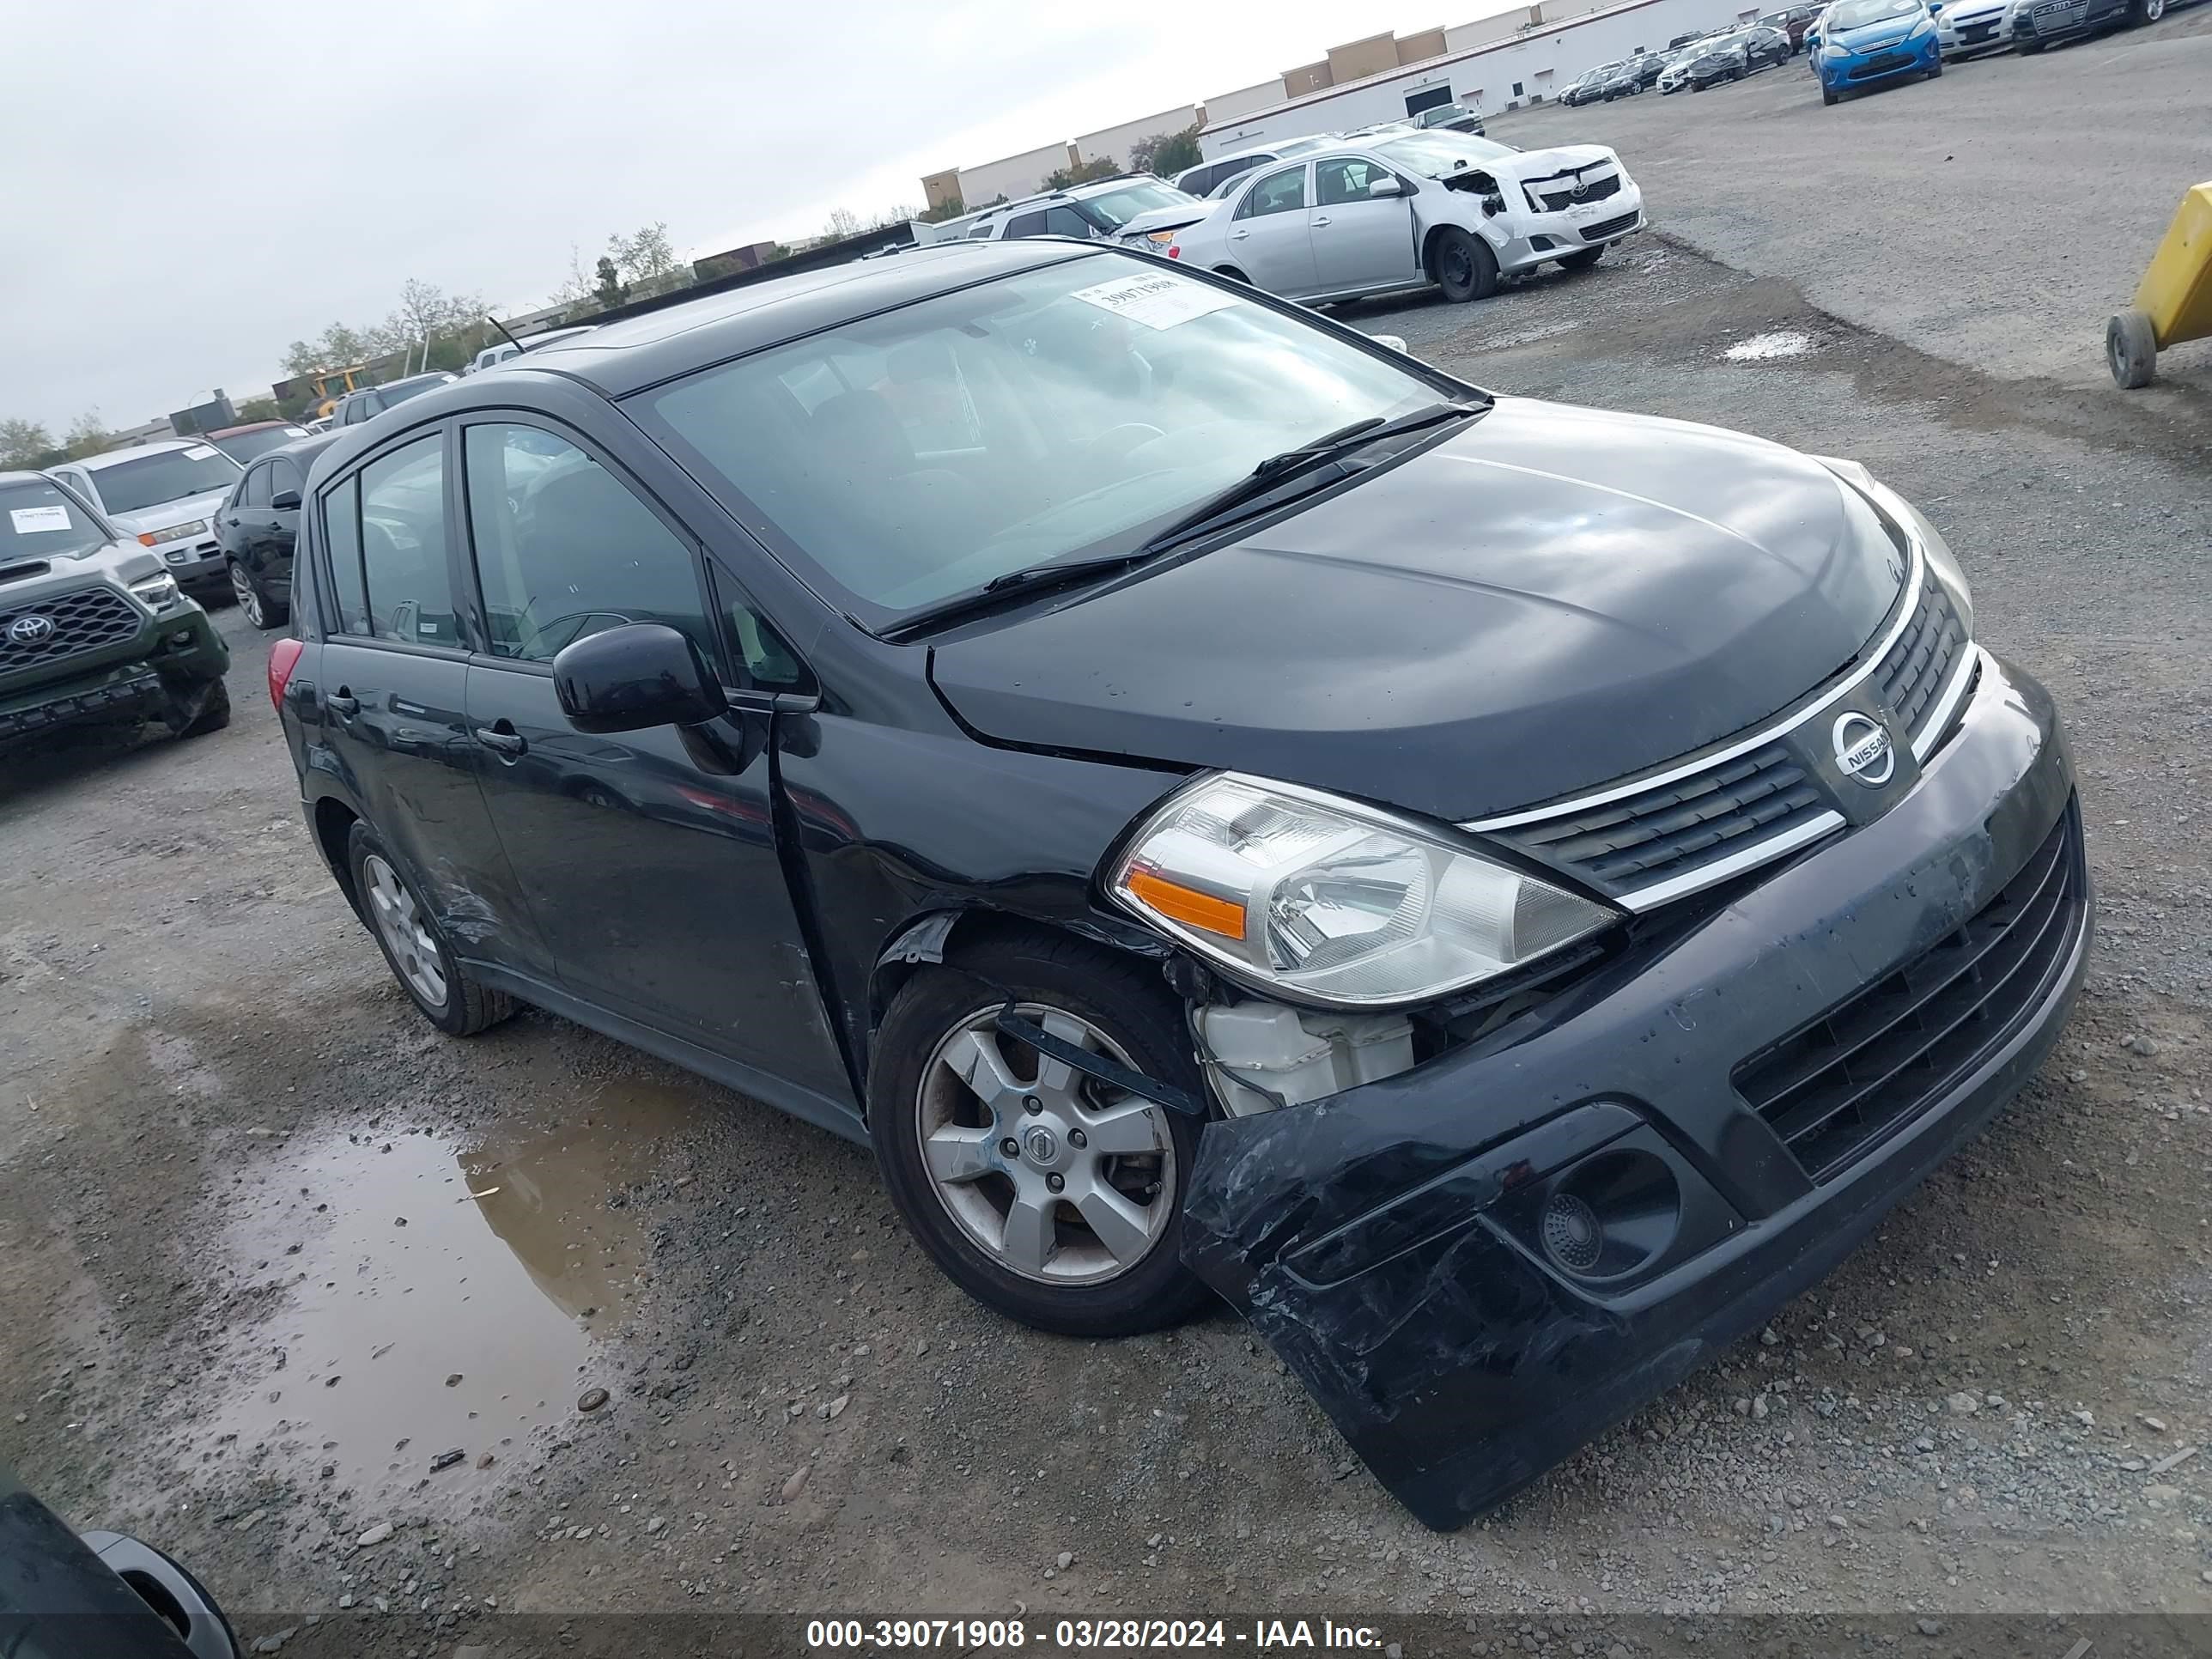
{"points": [[1175, 251], [284, 658]]}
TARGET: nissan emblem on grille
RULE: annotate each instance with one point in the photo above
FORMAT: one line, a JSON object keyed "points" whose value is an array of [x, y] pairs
{"points": [[1864, 750], [31, 630]]}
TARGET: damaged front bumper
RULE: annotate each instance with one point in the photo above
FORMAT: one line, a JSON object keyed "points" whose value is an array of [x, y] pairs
{"points": [[1478, 1265], [1538, 237]]}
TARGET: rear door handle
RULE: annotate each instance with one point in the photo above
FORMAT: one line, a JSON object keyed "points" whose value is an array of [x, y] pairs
{"points": [[511, 744], [1238, 235], [343, 703]]}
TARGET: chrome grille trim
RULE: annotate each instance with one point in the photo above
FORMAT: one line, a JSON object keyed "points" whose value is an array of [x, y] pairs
{"points": [[1909, 604], [1937, 724], [1759, 853]]}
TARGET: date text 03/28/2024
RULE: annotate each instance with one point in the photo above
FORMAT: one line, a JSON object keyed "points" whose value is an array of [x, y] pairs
{"points": [[1260, 1634]]}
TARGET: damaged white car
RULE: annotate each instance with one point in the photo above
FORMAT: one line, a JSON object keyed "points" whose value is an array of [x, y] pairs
{"points": [[1445, 207]]}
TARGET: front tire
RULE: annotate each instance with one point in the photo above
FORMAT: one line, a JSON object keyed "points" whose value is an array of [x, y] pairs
{"points": [[1583, 260], [1827, 97], [414, 947], [1936, 73], [194, 710], [1080, 1229], [1465, 267]]}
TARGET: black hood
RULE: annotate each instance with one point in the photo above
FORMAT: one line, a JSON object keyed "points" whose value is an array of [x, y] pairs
{"points": [[1552, 598]]}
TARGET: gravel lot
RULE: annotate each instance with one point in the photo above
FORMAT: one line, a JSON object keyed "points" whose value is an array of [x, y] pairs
{"points": [[271, 1247]]}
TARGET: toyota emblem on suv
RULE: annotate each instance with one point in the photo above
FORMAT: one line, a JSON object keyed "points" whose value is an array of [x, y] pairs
{"points": [[1864, 750], [31, 630]]}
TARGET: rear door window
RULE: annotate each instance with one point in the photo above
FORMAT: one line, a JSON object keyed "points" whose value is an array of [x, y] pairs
{"points": [[342, 535], [407, 583], [1280, 192]]}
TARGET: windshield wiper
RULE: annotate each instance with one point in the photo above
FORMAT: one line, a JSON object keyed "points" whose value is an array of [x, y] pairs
{"points": [[999, 589], [1279, 470]]}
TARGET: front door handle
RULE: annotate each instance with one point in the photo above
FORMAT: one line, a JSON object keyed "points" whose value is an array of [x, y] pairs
{"points": [[510, 744], [1319, 220], [1238, 235], [343, 703]]}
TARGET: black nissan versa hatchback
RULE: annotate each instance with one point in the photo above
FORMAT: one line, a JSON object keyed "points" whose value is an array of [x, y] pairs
{"points": [[1504, 894]]}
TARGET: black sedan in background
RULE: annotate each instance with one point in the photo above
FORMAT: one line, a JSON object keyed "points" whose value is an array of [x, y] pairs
{"points": [[1505, 895], [257, 527]]}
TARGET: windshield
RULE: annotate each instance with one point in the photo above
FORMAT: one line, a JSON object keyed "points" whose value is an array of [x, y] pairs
{"points": [[1440, 155], [166, 475], [1858, 13], [1116, 208], [245, 446], [1065, 412], [40, 520]]}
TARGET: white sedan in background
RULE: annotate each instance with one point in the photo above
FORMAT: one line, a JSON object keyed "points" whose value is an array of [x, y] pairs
{"points": [[1402, 211], [1965, 26]]}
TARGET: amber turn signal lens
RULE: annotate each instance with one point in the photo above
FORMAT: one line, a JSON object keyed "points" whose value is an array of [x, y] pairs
{"points": [[1188, 905]]}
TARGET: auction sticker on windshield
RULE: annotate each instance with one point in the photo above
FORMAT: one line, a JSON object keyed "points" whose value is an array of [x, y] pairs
{"points": [[1156, 301], [198, 453], [30, 521]]}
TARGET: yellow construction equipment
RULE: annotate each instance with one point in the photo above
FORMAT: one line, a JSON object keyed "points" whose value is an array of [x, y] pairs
{"points": [[2173, 302], [326, 389]]}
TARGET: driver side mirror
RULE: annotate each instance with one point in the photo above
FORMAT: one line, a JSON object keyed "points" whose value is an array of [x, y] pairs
{"points": [[284, 500], [635, 676], [1387, 184]]}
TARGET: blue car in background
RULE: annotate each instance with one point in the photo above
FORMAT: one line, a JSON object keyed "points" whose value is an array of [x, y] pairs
{"points": [[1864, 43]]}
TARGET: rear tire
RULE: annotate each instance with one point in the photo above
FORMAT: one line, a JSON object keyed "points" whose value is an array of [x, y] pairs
{"points": [[414, 947], [1582, 259], [946, 1094]]}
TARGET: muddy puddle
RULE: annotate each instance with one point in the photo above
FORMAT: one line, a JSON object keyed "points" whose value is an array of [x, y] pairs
{"points": [[438, 1294]]}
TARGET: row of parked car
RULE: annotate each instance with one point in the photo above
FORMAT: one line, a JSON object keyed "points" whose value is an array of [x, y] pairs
{"points": [[1854, 44]]}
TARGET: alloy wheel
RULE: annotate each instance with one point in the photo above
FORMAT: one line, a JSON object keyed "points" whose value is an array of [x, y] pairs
{"points": [[399, 923], [248, 596], [1053, 1175]]}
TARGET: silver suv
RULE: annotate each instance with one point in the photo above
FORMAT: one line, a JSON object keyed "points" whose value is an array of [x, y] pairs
{"points": [[1093, 211]]}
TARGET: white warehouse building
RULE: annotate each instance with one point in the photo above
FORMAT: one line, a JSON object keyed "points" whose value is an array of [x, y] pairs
{"points": [[1534, 64]]}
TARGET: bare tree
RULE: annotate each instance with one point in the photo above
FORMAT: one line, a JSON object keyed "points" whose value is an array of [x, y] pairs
{"points": [[579, 283], [645, 255], [843, 222], [87, 435]]}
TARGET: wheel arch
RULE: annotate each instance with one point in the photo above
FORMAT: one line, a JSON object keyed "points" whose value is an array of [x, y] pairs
{"points": [[949, 933], [333, 825]]}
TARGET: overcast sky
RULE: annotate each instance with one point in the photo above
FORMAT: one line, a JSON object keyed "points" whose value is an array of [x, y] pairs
{"points": [[190, 187]]}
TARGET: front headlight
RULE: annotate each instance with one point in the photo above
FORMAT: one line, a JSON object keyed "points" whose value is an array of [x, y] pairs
{"points": [[175, 532], [1334, 903], [1943, 563], [157, 592]]}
